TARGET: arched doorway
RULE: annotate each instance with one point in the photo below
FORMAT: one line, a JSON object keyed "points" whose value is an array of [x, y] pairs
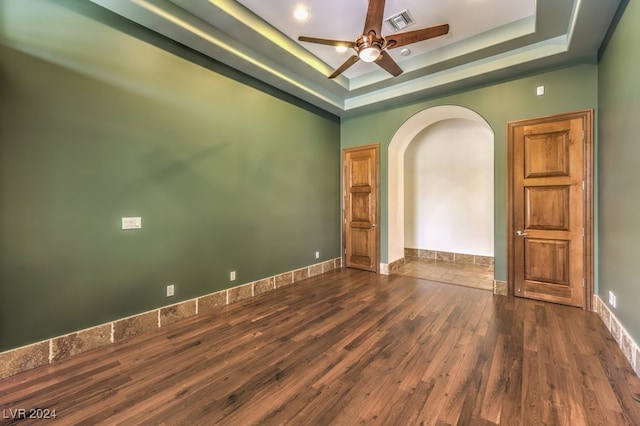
{"points": [[401, 140]]}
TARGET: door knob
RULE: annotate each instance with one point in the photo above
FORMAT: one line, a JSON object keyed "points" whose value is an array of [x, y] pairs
{"points": [[521, 233], [373, 225]]}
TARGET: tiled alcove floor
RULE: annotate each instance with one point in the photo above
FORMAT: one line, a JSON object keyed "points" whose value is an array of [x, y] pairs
{"points": [[464, 274]]}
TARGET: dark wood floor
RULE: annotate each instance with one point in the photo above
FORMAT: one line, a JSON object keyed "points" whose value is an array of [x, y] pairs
{"points": [[349, 348]]}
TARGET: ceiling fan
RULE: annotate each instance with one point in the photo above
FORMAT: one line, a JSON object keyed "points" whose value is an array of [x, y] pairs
{"points": [[371, 46]]}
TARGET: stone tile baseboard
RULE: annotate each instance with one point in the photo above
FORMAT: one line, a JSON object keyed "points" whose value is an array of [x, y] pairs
{"points": [[55, 349], [500, 288], [629, 347], [389, 268], [449, 256]]}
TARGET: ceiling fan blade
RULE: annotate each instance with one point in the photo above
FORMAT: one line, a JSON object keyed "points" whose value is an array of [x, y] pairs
{"points": [[387, 63], [352, 60], [375, 14], [327, 41], [402, 39]]}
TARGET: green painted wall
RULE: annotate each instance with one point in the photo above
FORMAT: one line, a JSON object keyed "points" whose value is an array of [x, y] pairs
{"points": [[569, 89], [97, 124], [619, 173], [101, 119]]}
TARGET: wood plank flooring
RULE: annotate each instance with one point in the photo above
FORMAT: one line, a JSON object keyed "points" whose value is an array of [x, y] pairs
{"points": [[345, 348]]}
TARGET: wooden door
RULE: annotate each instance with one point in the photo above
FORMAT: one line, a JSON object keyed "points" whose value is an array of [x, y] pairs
{"points": [[361, 237], [550, 221]]}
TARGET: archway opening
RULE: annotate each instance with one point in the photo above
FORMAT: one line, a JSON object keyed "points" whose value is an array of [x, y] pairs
{"points": [[442, 137]]}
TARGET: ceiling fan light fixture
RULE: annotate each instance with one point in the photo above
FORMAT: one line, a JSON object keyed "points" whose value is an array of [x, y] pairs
{"points": [[372, 46], [369, 54]]}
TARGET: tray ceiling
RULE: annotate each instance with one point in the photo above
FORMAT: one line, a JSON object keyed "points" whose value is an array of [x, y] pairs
{"points": [[489, 40]]}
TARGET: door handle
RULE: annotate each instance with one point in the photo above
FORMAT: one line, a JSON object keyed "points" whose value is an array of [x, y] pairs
{"points": [[373, 225], [521, 233]]}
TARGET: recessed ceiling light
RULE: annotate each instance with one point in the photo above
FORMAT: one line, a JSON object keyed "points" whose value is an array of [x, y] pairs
{"points": [[405, 51], [301, 13], [341, 49]]}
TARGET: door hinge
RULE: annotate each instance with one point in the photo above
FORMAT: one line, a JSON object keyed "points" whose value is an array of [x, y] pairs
{"points": [[583, 186], [583, 232], [583, 135], [583, 282]]}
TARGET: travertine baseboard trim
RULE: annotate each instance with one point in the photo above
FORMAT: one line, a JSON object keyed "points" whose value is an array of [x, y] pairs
{"points": [[390, 268], [500, 288], [57, 348], [627, 344], [449, 256]]}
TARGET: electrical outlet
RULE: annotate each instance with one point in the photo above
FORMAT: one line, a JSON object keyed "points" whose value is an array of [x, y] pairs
{"points": [[170, 290], [317, 255], [612, 299], [232, 276], [131, 223]]}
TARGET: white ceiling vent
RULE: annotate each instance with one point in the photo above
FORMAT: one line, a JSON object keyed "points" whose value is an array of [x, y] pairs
{"points": [[400, 21]]}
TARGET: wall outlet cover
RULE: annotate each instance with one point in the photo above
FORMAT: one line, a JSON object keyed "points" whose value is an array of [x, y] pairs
{"points": [[131, 223]]}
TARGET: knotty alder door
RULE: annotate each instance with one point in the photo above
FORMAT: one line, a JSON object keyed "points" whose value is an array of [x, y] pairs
{"points": [[549, 204], [360, 232]]}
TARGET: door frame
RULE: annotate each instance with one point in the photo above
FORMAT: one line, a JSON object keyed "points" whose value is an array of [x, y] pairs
{"points": [[587, 117], [376, 190]]}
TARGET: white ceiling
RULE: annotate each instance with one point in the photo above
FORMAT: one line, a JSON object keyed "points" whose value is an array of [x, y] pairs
{"points": [[489, 40], [344, 20]]}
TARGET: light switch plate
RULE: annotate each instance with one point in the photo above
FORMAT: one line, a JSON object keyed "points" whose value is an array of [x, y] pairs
{"points": [[131, 223]]}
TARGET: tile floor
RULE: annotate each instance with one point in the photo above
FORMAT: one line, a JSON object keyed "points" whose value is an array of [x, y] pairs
{"points": [[464, 274]]}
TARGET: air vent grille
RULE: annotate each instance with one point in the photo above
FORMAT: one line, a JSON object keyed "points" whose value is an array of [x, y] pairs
{"points": [[400, 21]]}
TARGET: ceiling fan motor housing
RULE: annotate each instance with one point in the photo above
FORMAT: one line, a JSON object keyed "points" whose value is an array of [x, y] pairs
{"points": [[369, 46]]}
